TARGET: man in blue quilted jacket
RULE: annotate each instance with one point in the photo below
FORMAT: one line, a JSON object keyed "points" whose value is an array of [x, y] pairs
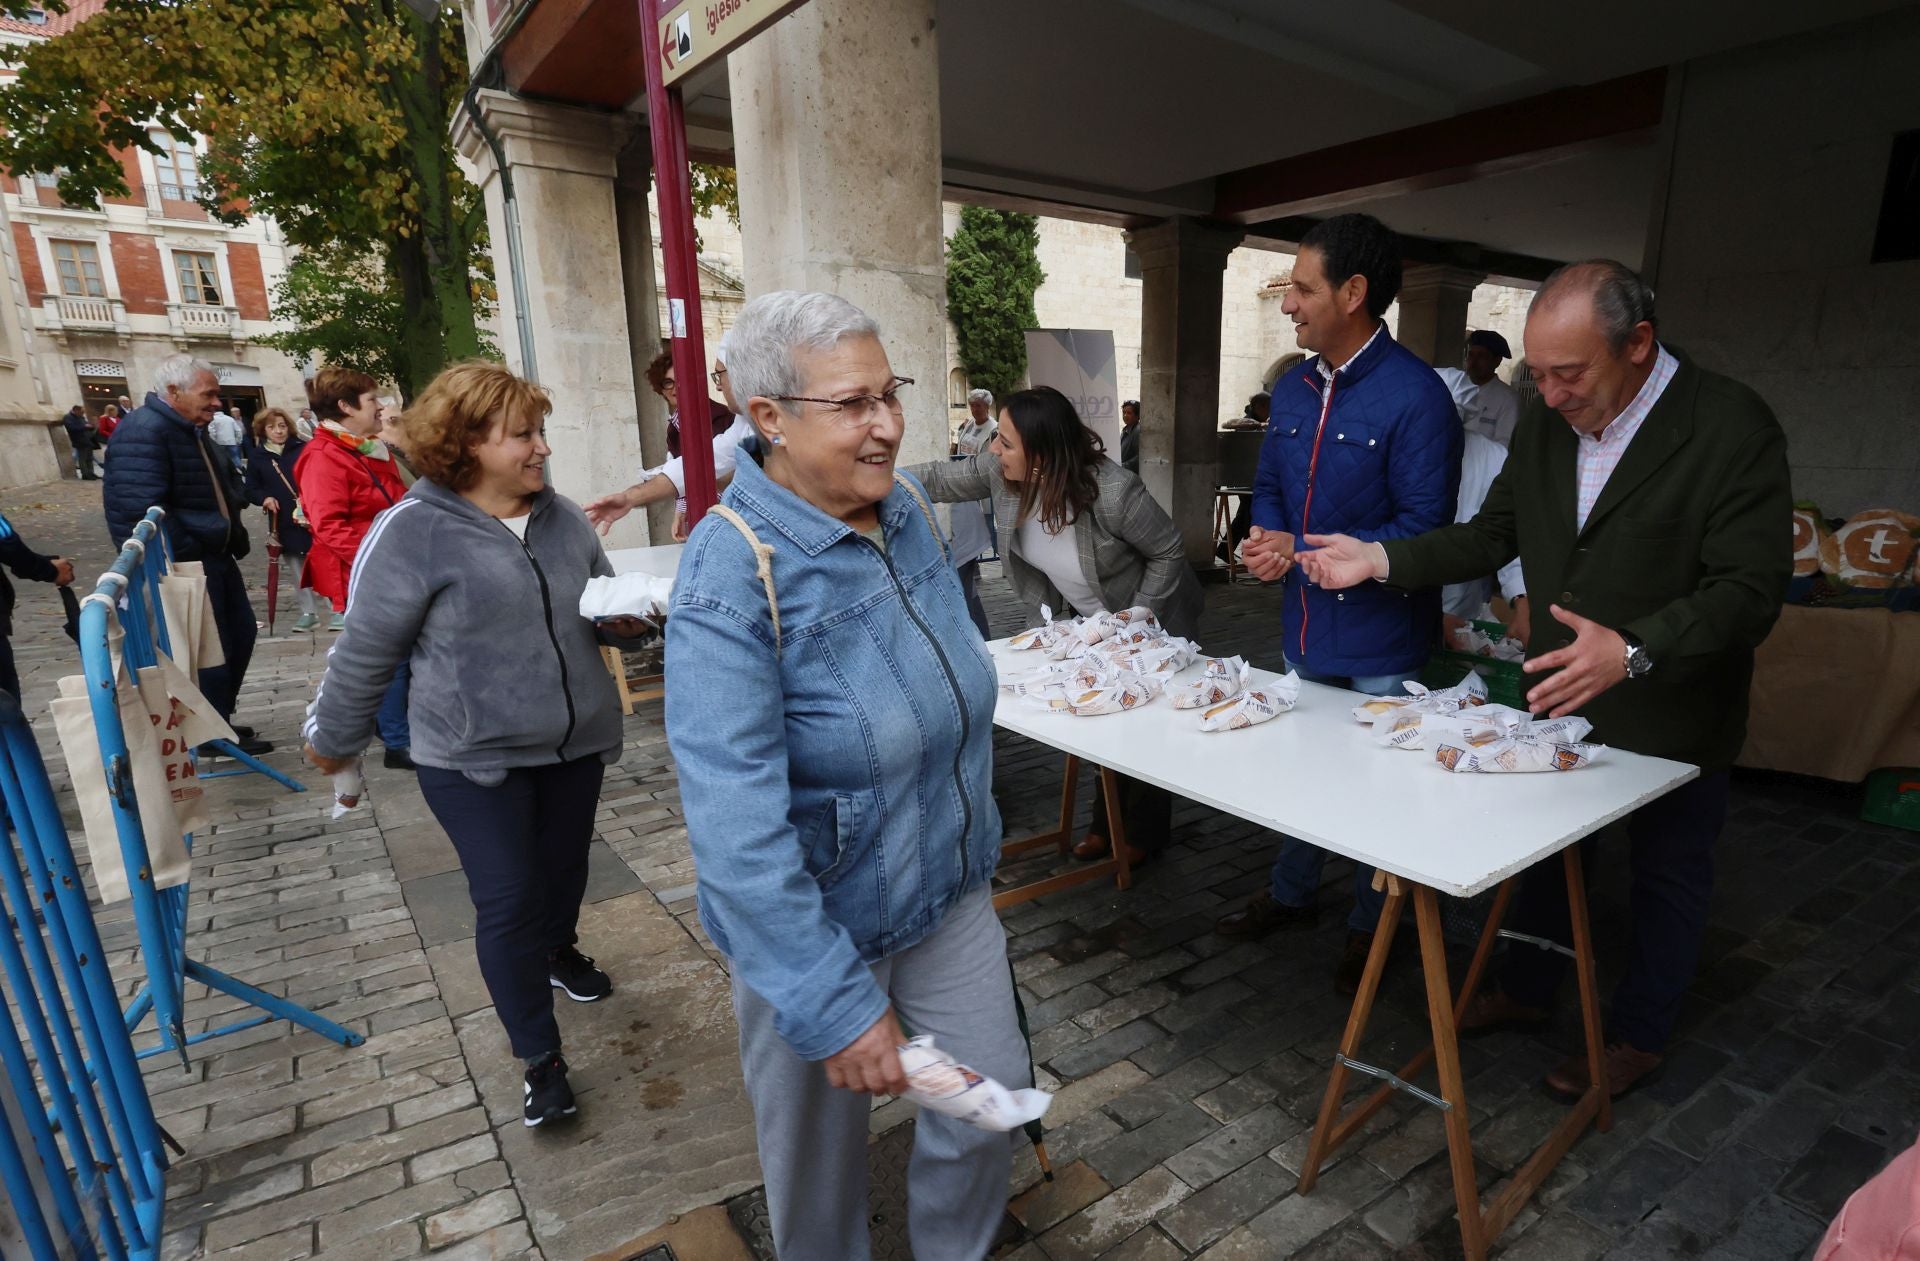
{"points": [[162, 457], [1364, 433]]}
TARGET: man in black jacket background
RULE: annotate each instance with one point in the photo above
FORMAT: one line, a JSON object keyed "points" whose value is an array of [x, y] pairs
{"points": [[32, 566], [162, 458], [83, 436]]}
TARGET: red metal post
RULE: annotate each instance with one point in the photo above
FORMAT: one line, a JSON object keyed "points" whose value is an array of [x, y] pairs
{"points": [[667, 125]]}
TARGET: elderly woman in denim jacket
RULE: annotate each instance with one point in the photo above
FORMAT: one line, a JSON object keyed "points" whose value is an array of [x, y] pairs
{"points": [[830, 708]]}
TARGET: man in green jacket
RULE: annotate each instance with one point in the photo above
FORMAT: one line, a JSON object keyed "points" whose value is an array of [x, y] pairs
{"points": [[1651, 518]]}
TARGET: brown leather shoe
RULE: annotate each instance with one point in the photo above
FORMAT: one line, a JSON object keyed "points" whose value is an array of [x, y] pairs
{"points": [[1346, 977], [1493, 1010], [1093, 847], [1627, 1067], [1262, 915]]}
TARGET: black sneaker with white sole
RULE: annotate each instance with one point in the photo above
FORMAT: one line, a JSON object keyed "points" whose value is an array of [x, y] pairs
{"points": [[548, 1096], [574, 975]]}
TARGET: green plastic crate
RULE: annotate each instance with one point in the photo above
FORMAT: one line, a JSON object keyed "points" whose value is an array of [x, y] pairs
{"points": [[1893, 797], [1506, 681]]}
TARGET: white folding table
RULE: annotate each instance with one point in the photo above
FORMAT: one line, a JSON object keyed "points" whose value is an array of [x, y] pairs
{"points": [[1314, 773], [661, 562]]}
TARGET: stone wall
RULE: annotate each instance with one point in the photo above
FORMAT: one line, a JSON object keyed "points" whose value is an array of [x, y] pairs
{"points": [[1763, 265]]}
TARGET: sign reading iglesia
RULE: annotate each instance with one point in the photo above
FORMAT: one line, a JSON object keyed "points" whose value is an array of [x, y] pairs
{"points": [[695, 32]]}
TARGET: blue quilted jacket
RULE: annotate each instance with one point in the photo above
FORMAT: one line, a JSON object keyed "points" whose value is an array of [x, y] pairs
{"points": [[1388, 467], [156, 462]]}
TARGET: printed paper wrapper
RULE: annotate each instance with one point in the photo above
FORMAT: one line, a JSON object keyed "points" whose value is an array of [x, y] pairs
{"points": [[1224, 679], [939, 1083], [1254, 706], [1131, 692], [1408, 729], [1043, 636], [1506, 746], [1472, 639], [1420, 699]]}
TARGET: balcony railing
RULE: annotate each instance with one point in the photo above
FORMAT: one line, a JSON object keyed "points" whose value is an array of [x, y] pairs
{"points": [[204, 321], [61, 315]]}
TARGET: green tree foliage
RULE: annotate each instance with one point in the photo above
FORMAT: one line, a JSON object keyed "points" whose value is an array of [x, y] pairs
{"points": [[329, 115], [993, 269]]}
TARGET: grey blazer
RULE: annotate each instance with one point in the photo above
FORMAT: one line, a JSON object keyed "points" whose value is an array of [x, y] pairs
{"points": [[1130, 550]]}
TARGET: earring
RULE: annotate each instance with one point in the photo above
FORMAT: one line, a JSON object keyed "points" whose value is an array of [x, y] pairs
{"points": [[775, 440]]}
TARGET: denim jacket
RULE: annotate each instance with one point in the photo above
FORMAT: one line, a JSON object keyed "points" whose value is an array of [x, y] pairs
{"points": [[837, 774]]}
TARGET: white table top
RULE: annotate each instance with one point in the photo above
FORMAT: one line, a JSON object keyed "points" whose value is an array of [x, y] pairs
{"points": [[1315, 774], [661, 562]]}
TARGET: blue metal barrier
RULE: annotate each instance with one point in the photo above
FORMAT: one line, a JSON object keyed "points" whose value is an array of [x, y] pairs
{"points": [[160, 915], [92, 1140]]}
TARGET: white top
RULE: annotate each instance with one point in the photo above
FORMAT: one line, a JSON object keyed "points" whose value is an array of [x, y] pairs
{"points": [[1314, 773], [1492, 409], [725, 447], [518, 525], [1058, 557], [1479, 465], [226, 430]]}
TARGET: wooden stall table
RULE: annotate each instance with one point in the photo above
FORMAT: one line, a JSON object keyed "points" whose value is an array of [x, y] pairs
{"points": [[661, 562], [1314, 773]]}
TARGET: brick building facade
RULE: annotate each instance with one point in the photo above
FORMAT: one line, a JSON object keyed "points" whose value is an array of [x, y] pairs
{"points": [[114, 286]]}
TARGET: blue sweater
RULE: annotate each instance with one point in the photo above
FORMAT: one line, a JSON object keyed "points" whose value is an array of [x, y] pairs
{"points": [[1388, 467]]}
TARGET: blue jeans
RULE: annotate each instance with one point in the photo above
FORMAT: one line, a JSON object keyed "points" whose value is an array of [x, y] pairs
{"points": [[392, 718], [1296, 871]]}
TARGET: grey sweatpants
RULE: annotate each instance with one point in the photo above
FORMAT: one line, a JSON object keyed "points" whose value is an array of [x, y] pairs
{"points": [[954, 986]]}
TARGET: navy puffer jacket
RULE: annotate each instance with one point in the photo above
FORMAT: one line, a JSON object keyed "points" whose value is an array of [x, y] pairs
{"points": [[160, 458], [1388, 468]]}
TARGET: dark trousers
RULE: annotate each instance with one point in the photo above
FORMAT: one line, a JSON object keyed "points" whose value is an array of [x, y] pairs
{"points": [[83, 461], [1671, 851], [1147, 811], [970, 585], [233, 617], [9, 675], [523, 845]]}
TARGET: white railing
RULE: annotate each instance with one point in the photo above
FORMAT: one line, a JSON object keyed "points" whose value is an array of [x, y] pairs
{"points": [[61, 315], [199, 319], [97, 311]]}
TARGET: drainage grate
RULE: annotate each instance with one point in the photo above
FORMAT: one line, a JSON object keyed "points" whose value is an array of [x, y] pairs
{"points": [[887, 1159], [659, 1252]]}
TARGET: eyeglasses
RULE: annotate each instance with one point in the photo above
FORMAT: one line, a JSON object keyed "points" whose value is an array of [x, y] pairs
{"points": [[857, 410], [716, 376], [667, 384]]}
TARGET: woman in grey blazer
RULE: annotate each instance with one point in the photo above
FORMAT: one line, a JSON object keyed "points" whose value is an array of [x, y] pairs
{"points": [[1079, 534]]}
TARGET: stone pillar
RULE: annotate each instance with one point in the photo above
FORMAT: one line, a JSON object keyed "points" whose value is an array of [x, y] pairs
{"points": [[840, 191], [1183, 264], [631, 184], [563, 163], [1433, 312]]}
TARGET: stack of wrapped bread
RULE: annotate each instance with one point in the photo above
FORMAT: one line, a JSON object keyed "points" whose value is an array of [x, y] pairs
{"points": [[1466, 733]]}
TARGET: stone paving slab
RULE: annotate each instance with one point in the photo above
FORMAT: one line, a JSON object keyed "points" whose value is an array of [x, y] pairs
{"points": [[1186, 1067]]}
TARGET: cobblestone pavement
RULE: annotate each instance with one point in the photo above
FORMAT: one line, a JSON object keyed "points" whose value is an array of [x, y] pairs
{"points": [[1187, 1067]]}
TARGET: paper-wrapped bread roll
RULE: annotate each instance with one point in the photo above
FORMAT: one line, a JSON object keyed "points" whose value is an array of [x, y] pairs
{"points": [[1254, 706], [1223, 679]]}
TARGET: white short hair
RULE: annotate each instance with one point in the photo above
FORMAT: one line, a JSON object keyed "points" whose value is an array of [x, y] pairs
{"points": [[761, 343], [177, 372], [980, 396]]}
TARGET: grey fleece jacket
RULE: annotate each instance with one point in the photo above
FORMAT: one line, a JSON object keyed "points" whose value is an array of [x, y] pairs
{"points": [[506, 673]]}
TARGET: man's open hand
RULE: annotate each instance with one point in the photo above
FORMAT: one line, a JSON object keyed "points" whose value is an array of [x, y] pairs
{"points": [[1340, 560], [1592, 663], [606, 510]]}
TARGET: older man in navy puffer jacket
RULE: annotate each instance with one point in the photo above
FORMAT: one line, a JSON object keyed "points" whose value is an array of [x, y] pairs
{"points": [[1365, 435], [161, 457]]}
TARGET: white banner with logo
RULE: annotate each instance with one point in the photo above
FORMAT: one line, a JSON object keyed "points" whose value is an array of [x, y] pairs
{"points": [[1079, 362]]}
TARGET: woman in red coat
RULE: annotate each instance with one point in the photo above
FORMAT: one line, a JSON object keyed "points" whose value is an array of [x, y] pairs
{"points": [[347, 477]]}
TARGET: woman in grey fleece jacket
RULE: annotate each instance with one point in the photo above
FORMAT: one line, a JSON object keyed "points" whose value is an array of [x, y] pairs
{"points": [[475, 578]]}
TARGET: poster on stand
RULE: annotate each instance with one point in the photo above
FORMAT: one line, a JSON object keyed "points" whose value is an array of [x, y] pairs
{"points": [[1079, 362]]}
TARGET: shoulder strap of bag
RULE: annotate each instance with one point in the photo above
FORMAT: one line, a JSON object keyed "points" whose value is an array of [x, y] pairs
{"points": [[926, 510], [763, 564]]}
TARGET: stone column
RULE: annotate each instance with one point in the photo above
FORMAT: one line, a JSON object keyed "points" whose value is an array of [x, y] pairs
{"points": [[563, 164], [840, 190], [1182, 264], [631, 184], [1433, 312]]}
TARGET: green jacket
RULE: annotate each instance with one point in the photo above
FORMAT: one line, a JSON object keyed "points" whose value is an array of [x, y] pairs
{"points": [[1689, 547]]}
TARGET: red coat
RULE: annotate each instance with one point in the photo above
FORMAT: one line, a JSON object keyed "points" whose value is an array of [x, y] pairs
{"points": [[342, 492]]}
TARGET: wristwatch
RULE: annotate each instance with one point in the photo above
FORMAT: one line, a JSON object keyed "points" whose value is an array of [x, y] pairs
{"points": [[1639, 661]]}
